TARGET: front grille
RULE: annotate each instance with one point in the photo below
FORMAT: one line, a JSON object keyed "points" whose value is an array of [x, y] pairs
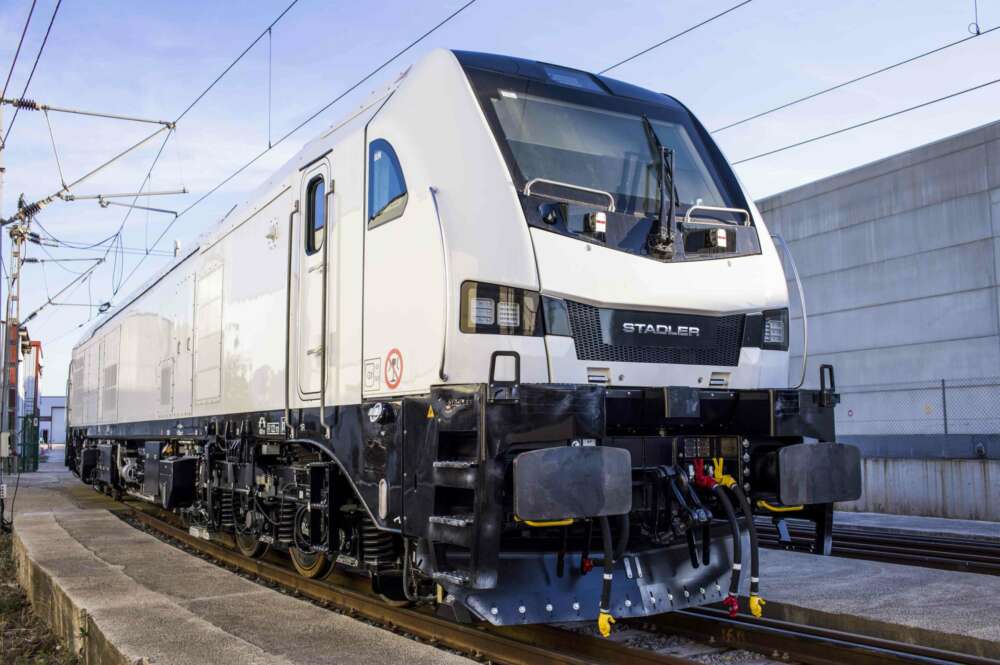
{"points": [[585, 323]]}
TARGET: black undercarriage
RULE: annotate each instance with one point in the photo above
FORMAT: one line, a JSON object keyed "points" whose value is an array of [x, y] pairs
{"points": [[507, 502]]}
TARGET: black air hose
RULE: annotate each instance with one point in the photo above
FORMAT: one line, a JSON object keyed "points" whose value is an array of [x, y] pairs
{"points": [[734, 582], [623, 536], [605, 619], [755, 600]]}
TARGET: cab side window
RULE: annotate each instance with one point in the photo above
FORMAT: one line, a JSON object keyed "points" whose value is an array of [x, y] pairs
{"points": [[386, 187], [315, 214]]}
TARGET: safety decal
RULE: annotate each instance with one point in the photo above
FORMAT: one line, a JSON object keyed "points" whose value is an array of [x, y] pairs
{"points": [[373, 373], [393, 369]]}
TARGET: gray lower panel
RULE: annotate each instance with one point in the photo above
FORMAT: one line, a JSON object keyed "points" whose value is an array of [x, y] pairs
{"points": [[650, 582]]}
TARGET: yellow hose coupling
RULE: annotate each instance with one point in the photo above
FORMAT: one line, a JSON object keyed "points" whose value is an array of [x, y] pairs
{"points": [[604, 622], [757, 605]]}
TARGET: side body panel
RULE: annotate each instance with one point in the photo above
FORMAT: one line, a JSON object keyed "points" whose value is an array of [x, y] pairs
{"points": [[442, 141]]}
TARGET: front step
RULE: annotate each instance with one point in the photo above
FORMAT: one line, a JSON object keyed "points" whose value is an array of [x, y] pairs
{"points": [[452, 529], [452, 520], [459, 464], [449, 577], [457, 473]]}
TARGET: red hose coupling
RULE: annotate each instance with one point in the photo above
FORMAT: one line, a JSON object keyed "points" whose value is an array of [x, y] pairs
{"points": [[701, 479], [586, 565], [733, 604]]}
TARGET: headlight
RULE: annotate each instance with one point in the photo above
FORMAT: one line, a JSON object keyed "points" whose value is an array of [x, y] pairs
{"points": [[499, 310], [775, 332]]}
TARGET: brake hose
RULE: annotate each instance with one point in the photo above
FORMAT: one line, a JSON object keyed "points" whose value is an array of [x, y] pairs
{"points": [[731, 601], [605, 619], [623, 535], [756, 601]]}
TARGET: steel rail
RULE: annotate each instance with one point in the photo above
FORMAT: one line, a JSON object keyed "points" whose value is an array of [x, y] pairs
{"points": [[538, 643], [812, 645], [957, 554], [513, 645]]}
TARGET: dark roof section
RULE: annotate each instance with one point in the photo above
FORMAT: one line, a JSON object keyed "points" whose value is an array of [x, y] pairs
{"points": [[536, 70]]}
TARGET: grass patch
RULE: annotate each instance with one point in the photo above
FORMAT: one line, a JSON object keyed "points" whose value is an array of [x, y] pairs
{"points": [[24, 638]]}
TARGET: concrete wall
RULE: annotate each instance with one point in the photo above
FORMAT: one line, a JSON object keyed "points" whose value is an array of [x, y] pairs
{"points": [[959, 489], [900, 261]]}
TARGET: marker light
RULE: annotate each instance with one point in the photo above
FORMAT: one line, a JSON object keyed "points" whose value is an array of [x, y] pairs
{"points": [[481, 312], [775, 334], [718, 238], [499, 310], [508, 314]]}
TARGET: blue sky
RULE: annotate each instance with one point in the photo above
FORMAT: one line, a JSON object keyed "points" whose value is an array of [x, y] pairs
{"points": [[151, 59]]}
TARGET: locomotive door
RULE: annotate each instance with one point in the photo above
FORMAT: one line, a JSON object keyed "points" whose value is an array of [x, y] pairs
{"points": [[182, 347], [310, 239]]}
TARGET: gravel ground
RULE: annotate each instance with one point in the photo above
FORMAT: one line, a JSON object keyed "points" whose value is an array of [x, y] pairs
{"points": [[676, 645], [24, 638]]}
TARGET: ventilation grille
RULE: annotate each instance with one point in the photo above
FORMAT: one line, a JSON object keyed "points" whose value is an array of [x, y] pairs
{"points": [[585, 322]]}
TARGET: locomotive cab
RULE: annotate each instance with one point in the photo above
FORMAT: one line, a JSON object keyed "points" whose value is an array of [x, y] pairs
{"points": [[511, 338]]}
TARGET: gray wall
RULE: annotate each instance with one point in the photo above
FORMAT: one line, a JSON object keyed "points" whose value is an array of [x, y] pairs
{"points": [[900, 261]]}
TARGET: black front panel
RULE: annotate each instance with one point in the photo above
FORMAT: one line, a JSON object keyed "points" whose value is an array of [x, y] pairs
{"points": [[601, 335]]}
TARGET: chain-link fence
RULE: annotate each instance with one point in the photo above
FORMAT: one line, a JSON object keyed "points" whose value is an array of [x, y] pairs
{"points": [[945, 406]]}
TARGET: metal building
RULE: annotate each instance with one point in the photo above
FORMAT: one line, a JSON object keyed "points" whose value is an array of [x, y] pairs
{"points": [[900, 261]]}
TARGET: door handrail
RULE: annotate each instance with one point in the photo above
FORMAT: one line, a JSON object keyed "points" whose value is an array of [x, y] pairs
{"points": [[447, 283], [802, 306]]}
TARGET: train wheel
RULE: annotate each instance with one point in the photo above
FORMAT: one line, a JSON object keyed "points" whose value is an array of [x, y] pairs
{"points": [[246, 527], [249, 545], [309, 564]]}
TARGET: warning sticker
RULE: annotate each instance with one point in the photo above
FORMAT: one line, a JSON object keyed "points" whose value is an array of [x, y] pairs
{"points": [[393, 369], [373, 373]]}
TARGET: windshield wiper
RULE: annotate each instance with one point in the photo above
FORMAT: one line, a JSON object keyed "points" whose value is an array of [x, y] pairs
{"points": [[660, 240]]}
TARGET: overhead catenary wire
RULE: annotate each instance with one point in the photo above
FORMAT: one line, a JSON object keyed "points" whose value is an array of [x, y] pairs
{"points": [[867, 122], [302, 124], [235, 61], [17, 52], [116, 237], [674, 36], [32, 105], [24, 91], [856, 79], [48, 302], [32, 209]]}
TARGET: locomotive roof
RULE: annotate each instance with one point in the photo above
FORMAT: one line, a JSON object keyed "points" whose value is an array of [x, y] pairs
{"points": [[508, 65]]}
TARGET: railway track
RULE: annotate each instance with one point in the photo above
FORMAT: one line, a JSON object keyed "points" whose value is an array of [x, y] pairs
{"points": [[946, 553], [786, 641], [538, 644]]}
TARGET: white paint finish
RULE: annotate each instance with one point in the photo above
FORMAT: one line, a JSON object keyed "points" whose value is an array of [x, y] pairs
{"points": [[214, 324], [254, 308], [345, 260], [309, 273], [607, 277], [208, 340], [486, 235]]}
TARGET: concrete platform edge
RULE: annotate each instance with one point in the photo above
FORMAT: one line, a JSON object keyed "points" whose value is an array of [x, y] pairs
{"points": [[896, 632], [74, 627]]}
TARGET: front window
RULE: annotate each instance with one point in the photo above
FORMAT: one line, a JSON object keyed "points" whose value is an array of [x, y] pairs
{"points": [[585, 156], [602, 150], [386, 187]]}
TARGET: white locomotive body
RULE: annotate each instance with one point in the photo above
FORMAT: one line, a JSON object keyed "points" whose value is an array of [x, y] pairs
{"points": [[501, 303]]}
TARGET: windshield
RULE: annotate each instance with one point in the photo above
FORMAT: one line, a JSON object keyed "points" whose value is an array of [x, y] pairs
{"points": [[601, 149]]}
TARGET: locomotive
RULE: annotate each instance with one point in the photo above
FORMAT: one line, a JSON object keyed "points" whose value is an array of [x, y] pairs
{"points": [[507, 323]]}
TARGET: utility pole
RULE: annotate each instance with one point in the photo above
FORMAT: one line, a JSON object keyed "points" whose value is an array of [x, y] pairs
{"points": [[18, 235], [6, 322]]}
